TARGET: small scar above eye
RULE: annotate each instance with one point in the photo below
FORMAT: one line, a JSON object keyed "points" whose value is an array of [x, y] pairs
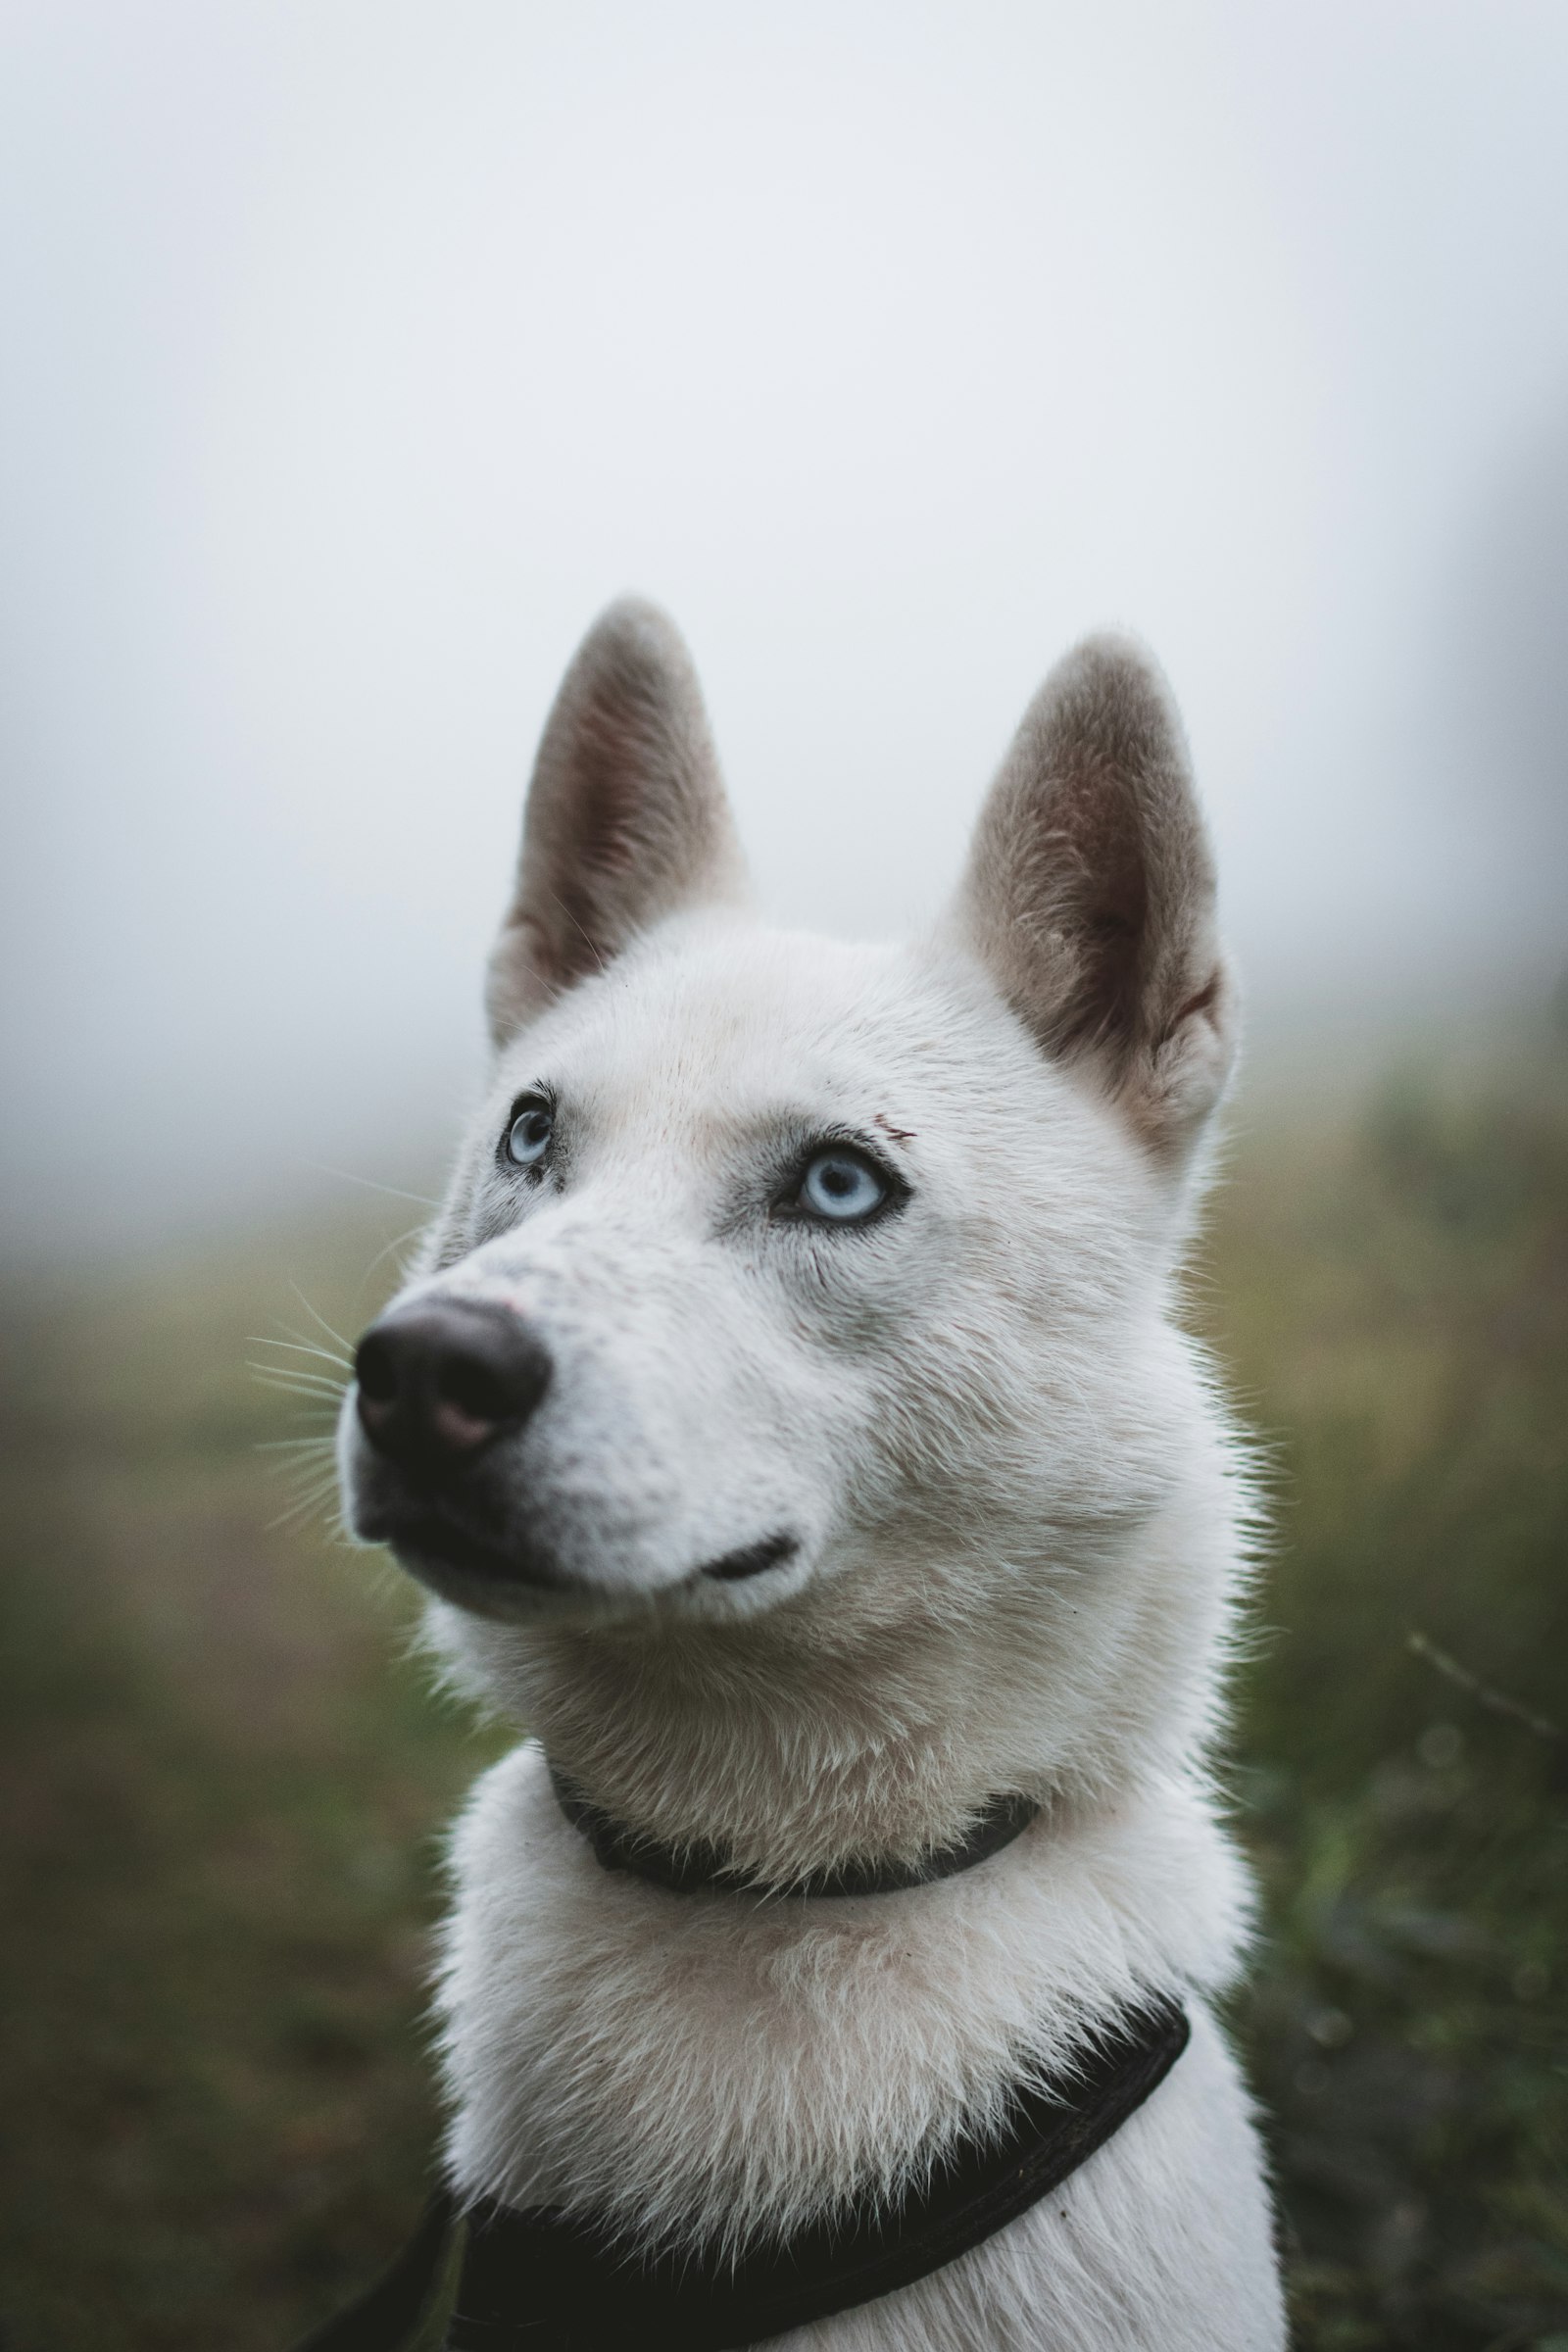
{"points": [[900, 1135]]}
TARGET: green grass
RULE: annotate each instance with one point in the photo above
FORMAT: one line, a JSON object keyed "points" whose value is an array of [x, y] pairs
{"points": [[221, 1782], [1395, 1299]]}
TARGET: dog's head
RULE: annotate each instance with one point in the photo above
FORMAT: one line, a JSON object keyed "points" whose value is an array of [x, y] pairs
{"points": [[777, 1274]]}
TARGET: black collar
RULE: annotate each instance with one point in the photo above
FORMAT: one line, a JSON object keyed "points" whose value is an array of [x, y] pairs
{"points": [[491, 2278], [693, 1867]]}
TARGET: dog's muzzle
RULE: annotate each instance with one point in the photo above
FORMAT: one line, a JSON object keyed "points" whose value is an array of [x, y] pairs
{"points": [[442, 1385]]}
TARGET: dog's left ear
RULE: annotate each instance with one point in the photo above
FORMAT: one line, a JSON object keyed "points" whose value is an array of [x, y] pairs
{"points": [[626, 819], [1090, 895]]}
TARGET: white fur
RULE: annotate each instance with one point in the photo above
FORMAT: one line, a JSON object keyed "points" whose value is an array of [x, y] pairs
{"points": [[1016, 1511]]}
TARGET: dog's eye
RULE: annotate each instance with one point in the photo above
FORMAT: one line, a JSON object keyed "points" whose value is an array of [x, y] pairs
{"points": [[842, 1187], [529, 1137]]}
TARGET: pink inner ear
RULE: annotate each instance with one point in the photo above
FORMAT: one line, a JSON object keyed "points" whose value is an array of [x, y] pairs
{"points": [[613, 753], [604, 808], [1096, 843]]}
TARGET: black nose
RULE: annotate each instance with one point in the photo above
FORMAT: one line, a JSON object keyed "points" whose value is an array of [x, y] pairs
{"points": [[439, 1380]]}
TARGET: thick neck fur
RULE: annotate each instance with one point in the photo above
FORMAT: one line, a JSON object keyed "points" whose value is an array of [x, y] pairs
{"points": [[712, 2066], [855, 1723]]}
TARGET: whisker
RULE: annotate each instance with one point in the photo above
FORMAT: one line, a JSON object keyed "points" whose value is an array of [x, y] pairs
{"points": [[397, 1242], [313, 1477], [300, 1376], [315, 1409], [347, 1346], [308, 1468], [329, 1356], [394, 1192], [310, 1474], [302, 1492], [297, 1383], [305, 1504]]}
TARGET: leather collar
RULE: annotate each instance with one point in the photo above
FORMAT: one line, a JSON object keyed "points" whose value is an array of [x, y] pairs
{"points": [[699, 1867]]}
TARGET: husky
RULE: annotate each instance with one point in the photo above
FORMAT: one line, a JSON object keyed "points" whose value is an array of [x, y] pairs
{"points": [[791, 1421]]}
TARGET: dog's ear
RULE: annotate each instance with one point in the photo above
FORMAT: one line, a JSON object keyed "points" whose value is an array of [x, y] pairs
{"points": [[626, 819], [1090, 895]]}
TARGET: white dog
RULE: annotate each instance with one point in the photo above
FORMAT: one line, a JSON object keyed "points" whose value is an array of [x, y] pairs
{"points": [[789, 1416]]}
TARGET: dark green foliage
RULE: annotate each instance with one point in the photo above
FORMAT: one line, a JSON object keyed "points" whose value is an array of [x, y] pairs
{"points": [[222, 1785], [1398, 1298]]}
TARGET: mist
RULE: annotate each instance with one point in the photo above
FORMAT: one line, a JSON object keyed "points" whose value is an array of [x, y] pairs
{"points": [[356, 355]]}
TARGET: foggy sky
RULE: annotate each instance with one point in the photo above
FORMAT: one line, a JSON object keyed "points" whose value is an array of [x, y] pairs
{"points": [[356, 353]]}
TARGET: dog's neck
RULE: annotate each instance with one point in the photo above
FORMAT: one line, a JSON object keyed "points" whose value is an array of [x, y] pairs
{"points": [[798, 1745], [779, 2054], [687, 1866]]}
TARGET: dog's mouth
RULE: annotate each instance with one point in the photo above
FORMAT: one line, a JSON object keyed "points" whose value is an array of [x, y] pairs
{"points": [[481, 1573], [752, 1559]]}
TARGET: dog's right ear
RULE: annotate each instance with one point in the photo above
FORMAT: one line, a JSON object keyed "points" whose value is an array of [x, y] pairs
{"points": [[626, 819]]}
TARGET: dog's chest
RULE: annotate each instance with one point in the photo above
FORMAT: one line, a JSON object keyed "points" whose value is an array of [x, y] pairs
{"points": [[655, 2056], [669, 2059]]}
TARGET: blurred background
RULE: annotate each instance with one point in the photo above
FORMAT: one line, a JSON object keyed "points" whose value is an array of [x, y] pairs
{"points": [[353, 357]]}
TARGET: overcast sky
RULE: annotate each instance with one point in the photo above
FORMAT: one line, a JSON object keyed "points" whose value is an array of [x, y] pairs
{"points": [[355, 355]]}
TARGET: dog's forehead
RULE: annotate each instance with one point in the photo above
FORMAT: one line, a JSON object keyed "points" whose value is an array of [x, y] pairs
{"points": [[738, 1020]]}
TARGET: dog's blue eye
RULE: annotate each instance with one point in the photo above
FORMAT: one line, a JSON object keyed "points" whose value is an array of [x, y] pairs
{"points": [[529, 1137], [842, 1187]]}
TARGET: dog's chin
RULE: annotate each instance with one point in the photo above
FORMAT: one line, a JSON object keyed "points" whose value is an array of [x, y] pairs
{"points": [[508, 1584], [520, 1582]]}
